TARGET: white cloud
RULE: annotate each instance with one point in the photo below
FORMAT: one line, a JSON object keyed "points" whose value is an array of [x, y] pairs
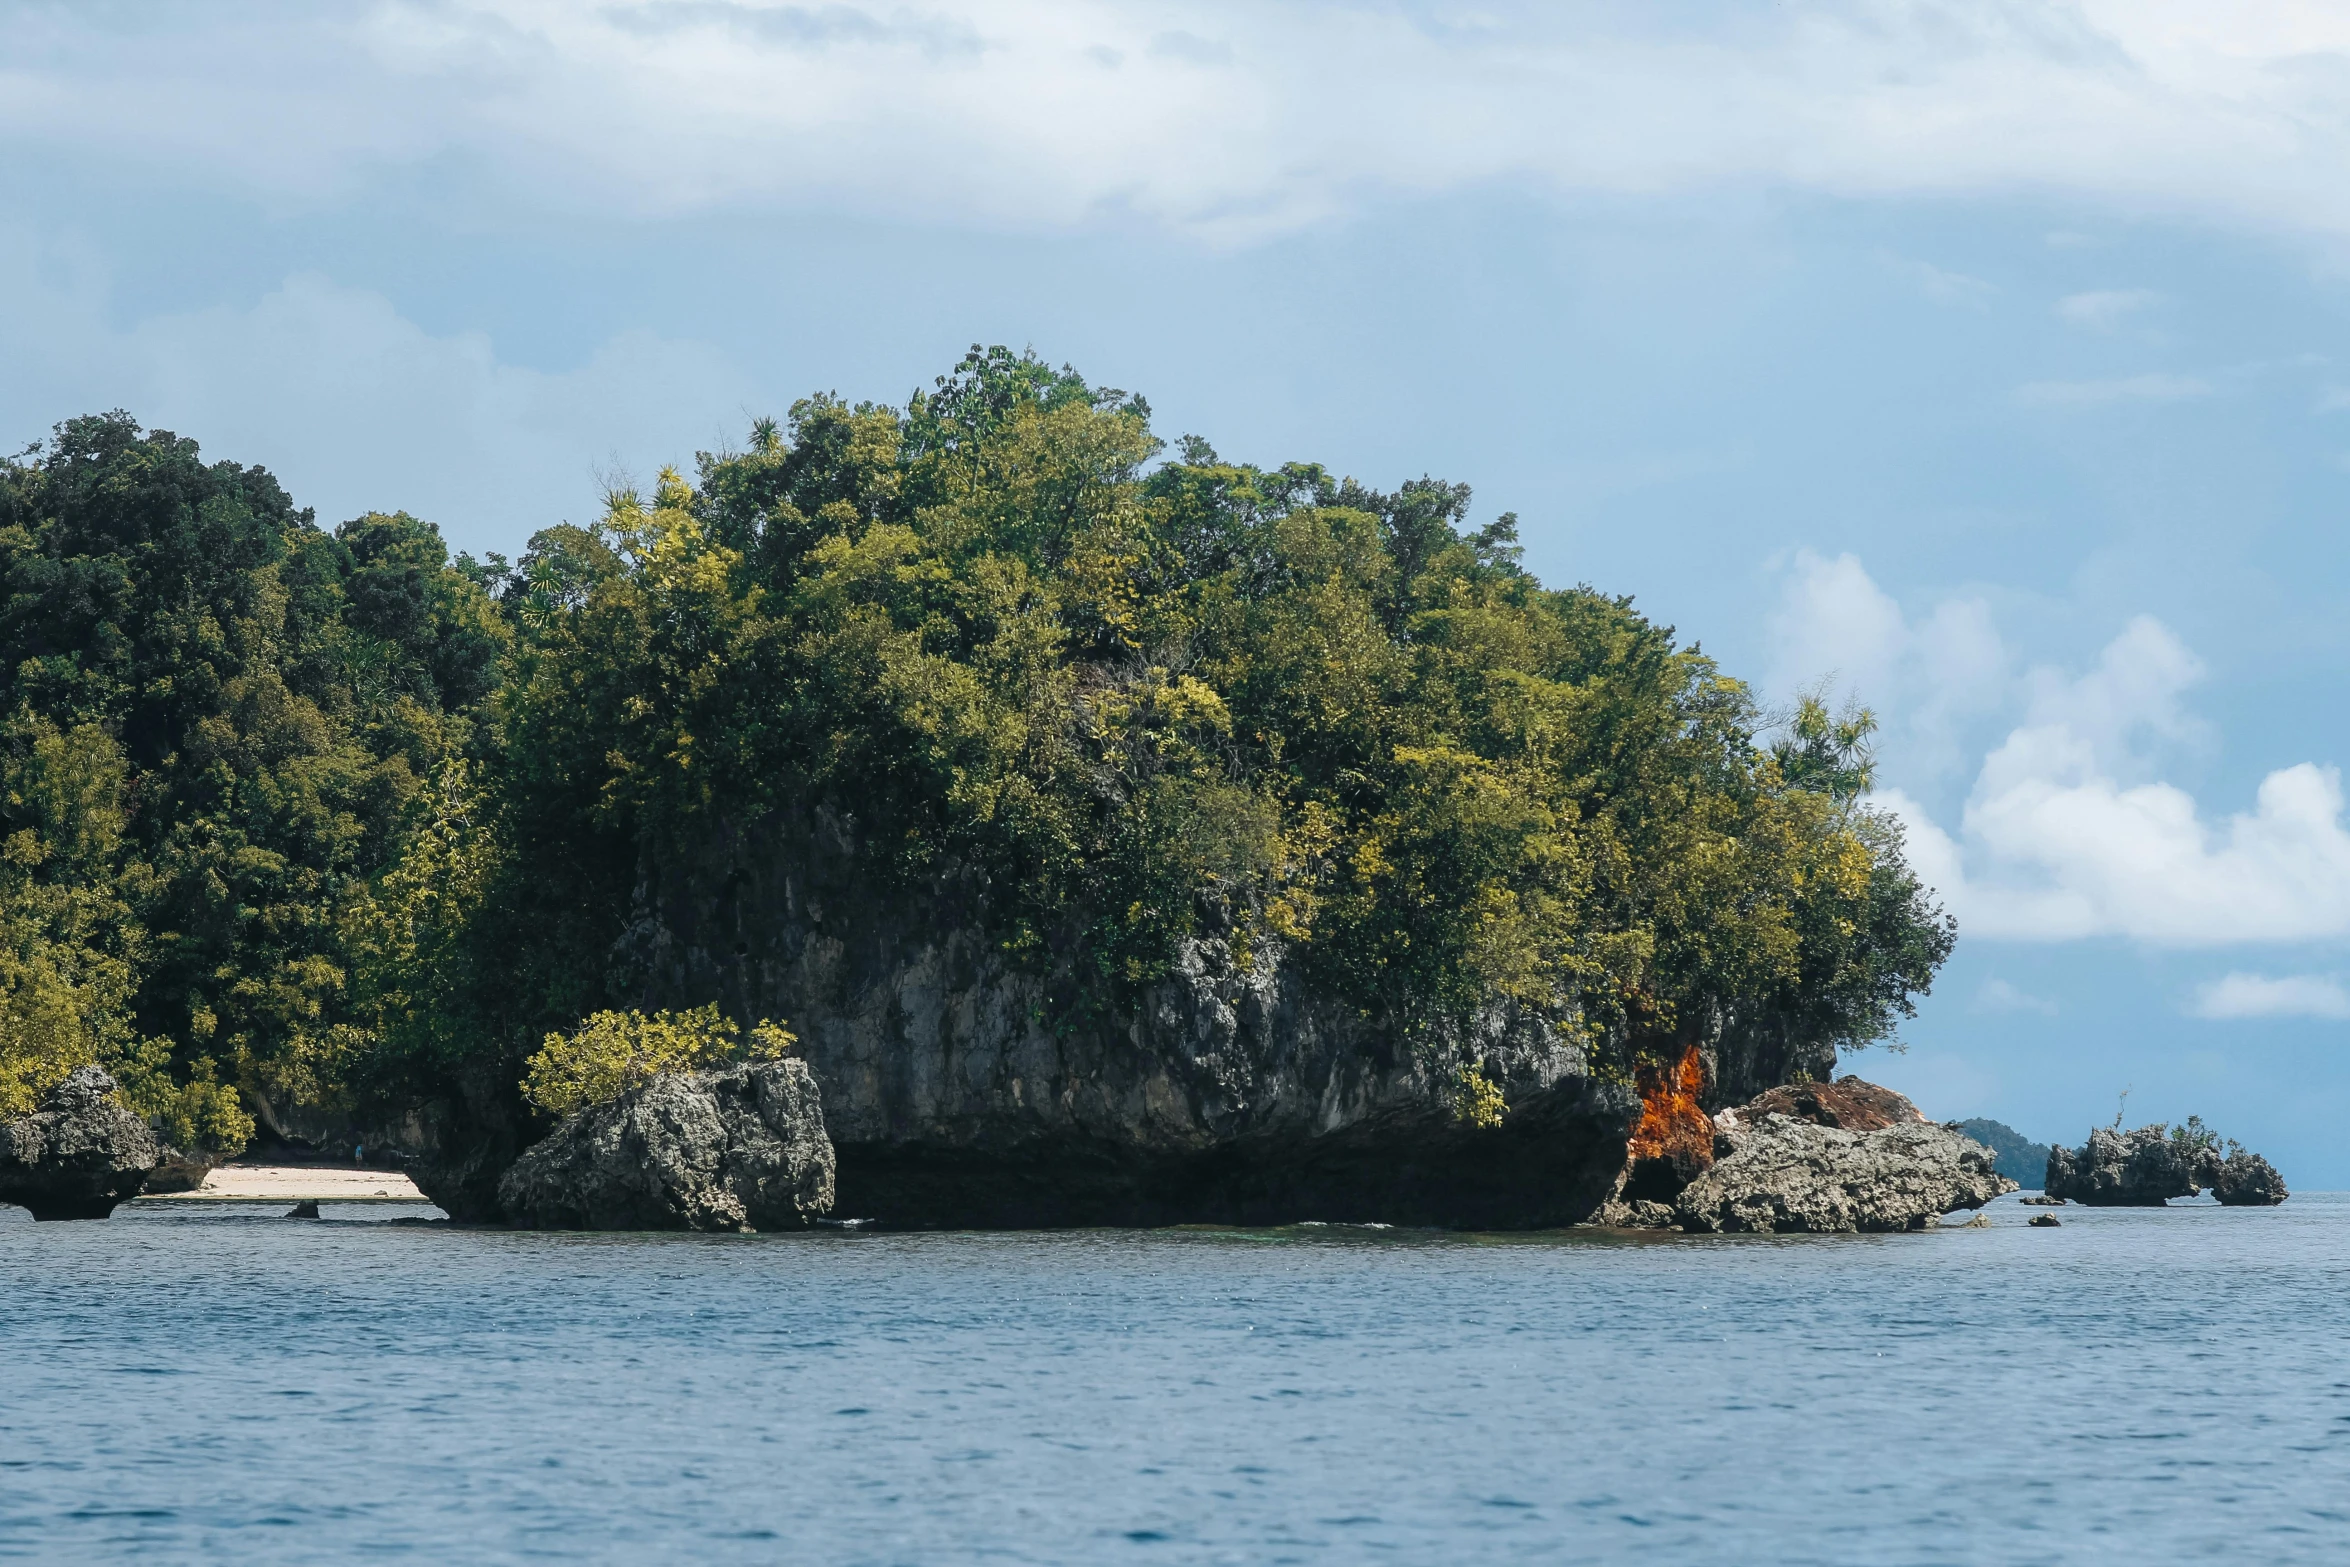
{"points": [[2104, 309], [1997, 995], [2150, 388], [1835, 623], [2242, 995], [355, 407], [1229, 117], [2068, 830], [1943, 286], [2054, 846], [1925, 681]]}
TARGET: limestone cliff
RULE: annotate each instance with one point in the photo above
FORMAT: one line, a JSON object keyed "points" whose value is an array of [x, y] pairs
{"points": [[1234, 1093]]}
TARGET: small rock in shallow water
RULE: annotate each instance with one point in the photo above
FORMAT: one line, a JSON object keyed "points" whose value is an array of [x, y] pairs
{"points": [[2045, 1221], [2041, 1202], [2246, 1180], [303, 1210]]}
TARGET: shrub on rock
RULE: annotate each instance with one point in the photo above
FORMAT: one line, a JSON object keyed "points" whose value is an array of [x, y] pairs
{"points": [[740, 1149]]}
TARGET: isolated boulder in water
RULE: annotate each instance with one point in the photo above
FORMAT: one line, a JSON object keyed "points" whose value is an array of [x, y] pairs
{"points": [[79, 1155], [2246, 1180], [179, 1170], [2138, 1169], [1781, 1174], [740, 1149]]}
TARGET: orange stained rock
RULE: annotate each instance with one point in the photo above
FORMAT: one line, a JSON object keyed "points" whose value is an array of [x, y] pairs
{"points": [[1672, 1126]]}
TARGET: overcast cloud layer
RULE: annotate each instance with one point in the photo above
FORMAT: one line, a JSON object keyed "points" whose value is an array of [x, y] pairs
{"points": [[1230, 120]]}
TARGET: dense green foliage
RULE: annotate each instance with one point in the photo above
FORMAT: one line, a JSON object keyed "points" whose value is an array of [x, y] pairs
{"points": [[346, 819], [612, 1052], [2015, 1156], [216, 722]]}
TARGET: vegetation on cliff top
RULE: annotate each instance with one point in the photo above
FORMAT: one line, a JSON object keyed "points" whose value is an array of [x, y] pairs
{"points": [[307, 814]]}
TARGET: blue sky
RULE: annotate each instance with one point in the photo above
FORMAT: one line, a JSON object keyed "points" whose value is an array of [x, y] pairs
{"points": [[1991, 361]]}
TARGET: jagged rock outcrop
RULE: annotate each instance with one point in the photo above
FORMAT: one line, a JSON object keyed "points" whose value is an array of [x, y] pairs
{"points": [[2246, 1180], [2137, 1169], [1779, 1174], [1809, 1156], [740, 1149], [959, 1093], [2147, 1167], [77, 1157]]}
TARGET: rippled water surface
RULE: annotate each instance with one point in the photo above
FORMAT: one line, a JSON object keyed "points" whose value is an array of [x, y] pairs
{"points": [[182, 1383]]}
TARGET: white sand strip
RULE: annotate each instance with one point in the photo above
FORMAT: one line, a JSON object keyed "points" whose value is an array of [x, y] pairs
{"points": [[297, 1183]]}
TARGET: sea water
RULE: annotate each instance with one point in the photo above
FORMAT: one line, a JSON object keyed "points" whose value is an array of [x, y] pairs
{"points": [[186, 1383]]}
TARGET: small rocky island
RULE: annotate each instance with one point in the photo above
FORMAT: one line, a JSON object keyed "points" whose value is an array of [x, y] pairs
{"points": [[80, 1155], [2147, 1167]]}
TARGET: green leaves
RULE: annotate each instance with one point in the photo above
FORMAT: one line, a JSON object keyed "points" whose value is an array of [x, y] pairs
{"points": [[307, 814], [1209, 701], [255, 703]]}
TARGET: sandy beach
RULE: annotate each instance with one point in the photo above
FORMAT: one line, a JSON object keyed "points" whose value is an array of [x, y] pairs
{"points": [[297, 1183]]}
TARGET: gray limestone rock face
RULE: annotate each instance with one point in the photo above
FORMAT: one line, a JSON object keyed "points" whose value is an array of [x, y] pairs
{"points": [[739, 1149], [2246, 1180], [961, 1091], [2137, 1169], [78, 1156], [1780, 1174]]}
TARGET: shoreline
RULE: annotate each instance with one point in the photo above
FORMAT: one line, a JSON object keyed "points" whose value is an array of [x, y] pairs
{"points": [[279, 1183]]}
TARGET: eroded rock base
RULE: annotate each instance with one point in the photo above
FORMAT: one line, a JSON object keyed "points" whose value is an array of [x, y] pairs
{"points": [[80, 1156]]}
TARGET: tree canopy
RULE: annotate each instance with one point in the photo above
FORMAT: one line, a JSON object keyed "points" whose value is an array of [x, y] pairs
{"points": [[302, 812]]}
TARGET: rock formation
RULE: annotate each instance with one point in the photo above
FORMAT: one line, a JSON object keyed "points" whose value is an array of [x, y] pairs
{"points": [[2138, 1169], [1782, 1174], [1817, 1157], [2147, 1167], [179, 1170], [740, 1149], [2246, 1180], [78, 1156], [958, 1094]]}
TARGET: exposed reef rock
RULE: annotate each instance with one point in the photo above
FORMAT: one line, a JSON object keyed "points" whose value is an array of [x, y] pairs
{"points": [[2139, 1169], [741, 1149], [1817, 1157], [2147, 1167], [1673, 1142], [1783, 1174], [2246, 1180], [79, 1156]]}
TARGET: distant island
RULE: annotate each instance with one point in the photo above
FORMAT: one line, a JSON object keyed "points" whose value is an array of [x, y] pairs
{"points": [[1126, 834], [2019, 1158]]}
